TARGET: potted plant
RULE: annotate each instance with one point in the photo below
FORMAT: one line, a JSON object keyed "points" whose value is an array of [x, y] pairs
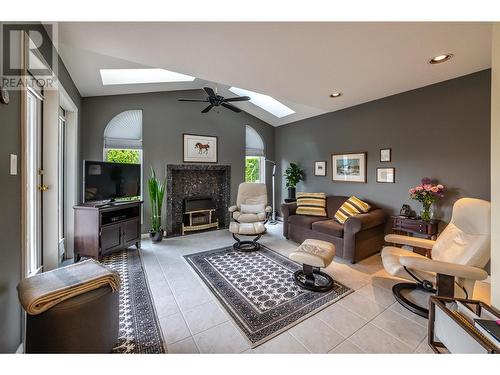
{"points": [[156, 194], [293, 175], [427, 193]]}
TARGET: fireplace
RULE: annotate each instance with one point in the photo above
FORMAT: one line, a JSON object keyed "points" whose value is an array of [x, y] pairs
{"points": [[186, 184], [199, 214]]}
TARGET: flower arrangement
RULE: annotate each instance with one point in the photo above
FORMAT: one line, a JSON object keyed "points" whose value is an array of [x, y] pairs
{"points": [[426, 193]]}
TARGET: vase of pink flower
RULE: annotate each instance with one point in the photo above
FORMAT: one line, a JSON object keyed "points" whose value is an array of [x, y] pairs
{"points": [[427, 193]]}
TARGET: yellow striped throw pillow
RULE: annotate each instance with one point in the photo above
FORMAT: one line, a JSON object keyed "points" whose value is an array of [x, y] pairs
{"points": [[351, 207], [313, 204]]}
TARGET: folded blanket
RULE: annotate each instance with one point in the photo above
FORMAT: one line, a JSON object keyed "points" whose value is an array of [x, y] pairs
{"points": [[40, 292]]}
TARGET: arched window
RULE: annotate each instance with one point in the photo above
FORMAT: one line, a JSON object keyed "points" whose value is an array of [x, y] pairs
{"points": [[255, 170], [123, 138]]}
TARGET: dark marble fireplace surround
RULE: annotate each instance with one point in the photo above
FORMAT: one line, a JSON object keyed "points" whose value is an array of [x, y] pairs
{"points": [[197, 180]]}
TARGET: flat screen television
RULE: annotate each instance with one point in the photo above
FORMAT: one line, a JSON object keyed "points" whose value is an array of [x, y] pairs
{"points": [[105, 181]]}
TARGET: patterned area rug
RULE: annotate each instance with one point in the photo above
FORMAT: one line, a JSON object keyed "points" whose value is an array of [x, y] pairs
{"points": [[139, 328], [258, 291]]}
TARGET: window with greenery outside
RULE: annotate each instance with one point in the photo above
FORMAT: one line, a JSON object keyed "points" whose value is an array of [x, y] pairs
{"points": [[123, 156], [252, 169]]}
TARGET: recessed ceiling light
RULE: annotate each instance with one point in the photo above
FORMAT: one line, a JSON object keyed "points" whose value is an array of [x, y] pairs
{"points": [[137, 76], [441, 58], [335, 94], [266, 102]]}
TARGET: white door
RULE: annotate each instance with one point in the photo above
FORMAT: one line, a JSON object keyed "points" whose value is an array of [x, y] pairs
{"points": [[61, 195], [34, 182]]}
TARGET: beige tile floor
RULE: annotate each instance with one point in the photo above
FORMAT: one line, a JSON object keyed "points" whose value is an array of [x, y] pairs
{"points": [[366, 321]]}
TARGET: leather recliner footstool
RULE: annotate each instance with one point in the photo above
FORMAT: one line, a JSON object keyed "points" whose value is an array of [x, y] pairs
{"points": [[87, 323], [314, 255]]}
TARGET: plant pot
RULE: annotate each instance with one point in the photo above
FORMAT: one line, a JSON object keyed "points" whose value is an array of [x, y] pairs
{"points": [[291, 193], [156, 236]]}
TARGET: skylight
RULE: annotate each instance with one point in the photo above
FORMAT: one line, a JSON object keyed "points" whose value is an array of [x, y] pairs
{"points": [[136, 76], [265, 102]]}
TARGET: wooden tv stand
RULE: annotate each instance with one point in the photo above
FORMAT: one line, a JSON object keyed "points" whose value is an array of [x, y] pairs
{"points": [[103, 229]]}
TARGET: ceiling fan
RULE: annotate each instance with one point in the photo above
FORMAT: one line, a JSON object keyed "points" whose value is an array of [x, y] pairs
{"points": [[216, 100]]}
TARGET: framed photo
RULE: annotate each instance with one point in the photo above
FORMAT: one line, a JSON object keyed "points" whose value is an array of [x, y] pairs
{"points": [[199, 148], [320, 168], [385, 155], [386, 175], [349, 167]]}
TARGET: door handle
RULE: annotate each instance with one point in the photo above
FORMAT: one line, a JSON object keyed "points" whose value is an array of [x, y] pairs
{"points": [[43, 188]]}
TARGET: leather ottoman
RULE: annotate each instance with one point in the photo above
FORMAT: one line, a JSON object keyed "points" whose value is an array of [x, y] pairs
{"points": [[87, 323]]}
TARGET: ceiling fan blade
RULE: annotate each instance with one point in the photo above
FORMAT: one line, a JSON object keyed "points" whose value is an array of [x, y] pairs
{"points": [[231, 107], [192, 100], [209, 91], [207, 109], [237, 99]]}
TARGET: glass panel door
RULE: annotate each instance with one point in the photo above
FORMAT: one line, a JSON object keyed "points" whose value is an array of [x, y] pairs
{"points": [[34, 183]]}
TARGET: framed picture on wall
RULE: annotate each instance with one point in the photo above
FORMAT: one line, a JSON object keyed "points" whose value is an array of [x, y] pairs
{"points": [[199, 148], [349, 167], [385, 155], [386, 175], [320, 168]]}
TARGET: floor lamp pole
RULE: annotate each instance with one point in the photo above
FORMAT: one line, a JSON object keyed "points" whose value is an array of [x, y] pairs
{"points": [[273, 220]]}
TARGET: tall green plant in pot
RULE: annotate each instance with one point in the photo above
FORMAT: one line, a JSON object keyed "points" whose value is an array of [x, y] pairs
{"points": [[293, 175], [156, 195]]}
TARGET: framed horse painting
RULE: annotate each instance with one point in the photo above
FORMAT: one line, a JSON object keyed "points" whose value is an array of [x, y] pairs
{"points": [[200, 148]]}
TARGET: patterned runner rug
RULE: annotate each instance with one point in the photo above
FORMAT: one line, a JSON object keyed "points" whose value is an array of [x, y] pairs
{"points": [[258, 291], [139, 328]]}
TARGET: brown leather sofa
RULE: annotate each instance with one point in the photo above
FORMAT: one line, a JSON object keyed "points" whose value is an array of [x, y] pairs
{"points": [[356, 239]]}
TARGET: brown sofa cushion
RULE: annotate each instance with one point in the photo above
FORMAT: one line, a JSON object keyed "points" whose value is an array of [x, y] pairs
{"points": [[330, 227], [304, 220], [333, 203]]}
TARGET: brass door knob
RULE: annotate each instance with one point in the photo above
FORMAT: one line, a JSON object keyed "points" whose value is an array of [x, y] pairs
{"points": [[43, 187]]}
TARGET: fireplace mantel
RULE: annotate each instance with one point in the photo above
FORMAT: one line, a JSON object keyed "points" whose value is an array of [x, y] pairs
{"points": [[191, 180]]}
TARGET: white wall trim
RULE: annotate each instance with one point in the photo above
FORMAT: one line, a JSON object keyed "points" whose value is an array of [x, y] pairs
{"points": [[72, 167], [495, 166]]}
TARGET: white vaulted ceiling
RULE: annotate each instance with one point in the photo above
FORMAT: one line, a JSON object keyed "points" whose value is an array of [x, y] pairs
{"points": [[299, 64]]}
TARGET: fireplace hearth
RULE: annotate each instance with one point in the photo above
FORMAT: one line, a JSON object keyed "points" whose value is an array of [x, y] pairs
{"points": [[186, 184]]}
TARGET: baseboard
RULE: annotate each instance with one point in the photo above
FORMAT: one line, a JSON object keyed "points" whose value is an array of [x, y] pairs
{"points": [[20, 349], [145, 236]]}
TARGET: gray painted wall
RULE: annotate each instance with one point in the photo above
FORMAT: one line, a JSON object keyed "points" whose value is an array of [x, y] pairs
{"points": [[441, 131], [164, 121], [10, 219], [10, 226]]}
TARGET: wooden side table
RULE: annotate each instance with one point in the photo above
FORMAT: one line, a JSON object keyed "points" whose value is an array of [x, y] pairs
{"points": [[410, 226]]}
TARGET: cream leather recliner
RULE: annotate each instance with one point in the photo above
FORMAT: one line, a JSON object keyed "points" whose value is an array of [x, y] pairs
{"points": [[251, 203], [458, 255]]}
